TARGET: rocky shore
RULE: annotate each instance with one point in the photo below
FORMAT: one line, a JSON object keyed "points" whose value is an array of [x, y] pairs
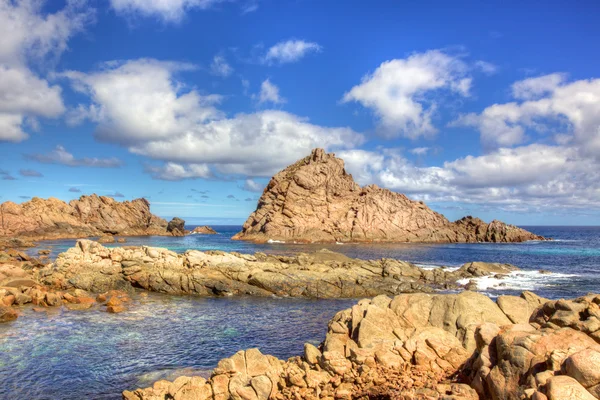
{"points": [[92, 267], [423, 346], [88, 216], [316, 200]]}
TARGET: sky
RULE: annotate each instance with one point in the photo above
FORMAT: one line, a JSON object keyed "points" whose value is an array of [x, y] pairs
{"points": [[489, 109]]}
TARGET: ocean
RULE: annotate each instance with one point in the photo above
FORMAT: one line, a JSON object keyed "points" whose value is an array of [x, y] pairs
{"points": [[92, 354]]}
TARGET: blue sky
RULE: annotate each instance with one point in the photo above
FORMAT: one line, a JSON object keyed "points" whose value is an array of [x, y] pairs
{"points": [[490, 109]]}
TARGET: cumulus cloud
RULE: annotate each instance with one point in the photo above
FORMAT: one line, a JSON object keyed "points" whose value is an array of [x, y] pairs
{"points": [[251, 185], [290, 51], [140, 100], [29, 34], [74, 190], [397, 91], [530, 177], [166, 10], [220, 67], [140, 105], [269, 92], [568, 111], [61, 156], [30, 173], [177, 172]]}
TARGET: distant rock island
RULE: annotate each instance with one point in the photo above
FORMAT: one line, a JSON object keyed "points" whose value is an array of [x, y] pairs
{"points": [[86, 217], [316, 200], [203, 230]]}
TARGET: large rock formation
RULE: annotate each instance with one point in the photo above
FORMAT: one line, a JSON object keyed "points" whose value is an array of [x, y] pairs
{"points": [[324, 274], [86, 217], [316, 200], [422, 346]]}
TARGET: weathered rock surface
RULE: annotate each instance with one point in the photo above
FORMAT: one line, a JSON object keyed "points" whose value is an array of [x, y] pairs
{"points": [[203, 230], [417, 346], [316, 200], [324, 274], [176, 227], [421, 346], [86, 217]]}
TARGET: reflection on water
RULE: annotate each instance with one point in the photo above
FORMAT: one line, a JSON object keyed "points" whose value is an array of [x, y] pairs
{"points": [[98, 355]]}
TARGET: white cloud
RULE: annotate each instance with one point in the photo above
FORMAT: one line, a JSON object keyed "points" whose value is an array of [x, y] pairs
{"points": [[27, 34], [396, 91], [140, 105], [10, 128], [61, 156], [486, 67], [529, 177], [167, 10], [176, 172], [139, 100], [220, 67], [269, 92], [420, 151], [290, 51], [570, 111], [251, 185], [532, 88]]}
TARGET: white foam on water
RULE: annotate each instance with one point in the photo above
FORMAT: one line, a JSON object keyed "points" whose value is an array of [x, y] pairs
{"points": [[433, 266], [517, 280], [340, 243], [271, 241]]}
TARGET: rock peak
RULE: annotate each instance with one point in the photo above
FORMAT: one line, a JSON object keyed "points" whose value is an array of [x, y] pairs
{"points": [[316, 200]]}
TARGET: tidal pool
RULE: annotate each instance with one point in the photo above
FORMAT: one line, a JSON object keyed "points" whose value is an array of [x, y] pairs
{"points": [[91, 354]]}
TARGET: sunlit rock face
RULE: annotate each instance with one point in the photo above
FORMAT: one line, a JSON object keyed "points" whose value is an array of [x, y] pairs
{"points": [[316, 200], [322, 274], [85, 217], [414, 346]]}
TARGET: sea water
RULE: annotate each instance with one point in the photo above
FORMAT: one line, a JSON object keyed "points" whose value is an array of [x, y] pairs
{"points": [[96, 355]]}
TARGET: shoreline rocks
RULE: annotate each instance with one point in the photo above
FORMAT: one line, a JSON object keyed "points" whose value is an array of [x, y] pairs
{"points": [[316, 200], [323, 274], [88, 216], [417, 346]]}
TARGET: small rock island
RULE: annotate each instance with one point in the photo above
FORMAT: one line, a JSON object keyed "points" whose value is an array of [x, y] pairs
{"points": [[316, 200]]}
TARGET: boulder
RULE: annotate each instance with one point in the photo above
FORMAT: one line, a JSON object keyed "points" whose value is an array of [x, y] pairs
{"points": [[176, 227], [7, 314]]}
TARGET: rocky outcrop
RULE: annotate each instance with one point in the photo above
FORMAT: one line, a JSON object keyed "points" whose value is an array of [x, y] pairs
{"points": [[421, 346], [203, 230], [176, 227], [324, 274], [86, 217], [316, 200]]}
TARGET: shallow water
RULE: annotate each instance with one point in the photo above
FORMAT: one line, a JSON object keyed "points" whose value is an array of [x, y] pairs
{"points": [[96, 355]]}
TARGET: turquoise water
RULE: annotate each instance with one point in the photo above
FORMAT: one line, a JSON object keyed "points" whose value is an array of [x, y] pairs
{"points": [[95, 355]]}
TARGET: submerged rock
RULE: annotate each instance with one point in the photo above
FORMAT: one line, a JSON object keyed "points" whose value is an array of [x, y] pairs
{"points": [[417, 346], [324, 274], [316, 200]]}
